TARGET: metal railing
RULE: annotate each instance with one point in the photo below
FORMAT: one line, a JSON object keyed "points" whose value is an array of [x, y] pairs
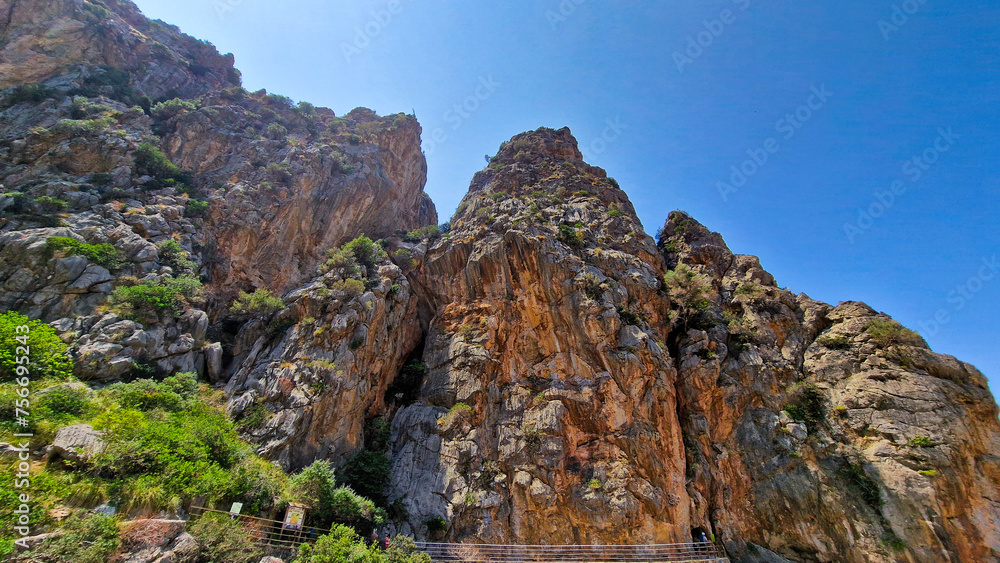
{"points": [[480, 553], [268, 532]]}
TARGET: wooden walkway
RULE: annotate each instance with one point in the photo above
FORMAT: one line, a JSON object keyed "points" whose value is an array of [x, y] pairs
{"points": [[479, 553]]}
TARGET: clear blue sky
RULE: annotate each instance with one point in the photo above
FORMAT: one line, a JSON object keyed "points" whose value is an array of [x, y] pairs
{"points": [[927, 76]]}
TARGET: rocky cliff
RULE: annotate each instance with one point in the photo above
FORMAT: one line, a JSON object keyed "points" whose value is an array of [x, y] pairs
{"points": [[551, 373]]}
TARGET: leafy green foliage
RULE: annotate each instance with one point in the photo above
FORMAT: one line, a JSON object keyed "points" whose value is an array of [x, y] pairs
{"points": [[196, 208], [888, 332], [90, 539], [150, 299], [807, 404], [170, 108], [47, 356], [259, 303], [172, 255], [344, 544], [430, 231], [365, 251], [863, 484], [226, 539], [893, 542], [570, 237], [368, 473], [276, 131], [834, 341], [150, 161], [689, 289], [62, 402], [921, 442], [404, 258], [436, 525], [173, 394], [49, 204], [316, 486], [27, 93]]}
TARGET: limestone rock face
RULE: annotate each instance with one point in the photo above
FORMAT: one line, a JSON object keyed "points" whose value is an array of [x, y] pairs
{"points": [[44, 37], [896, 457], [552, 374], [288, 199], [547, 416], [320, 368]]}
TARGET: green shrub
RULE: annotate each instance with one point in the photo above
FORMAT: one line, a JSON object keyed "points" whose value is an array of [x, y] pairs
{"points": [[929, 473], [436, 525], [893, 542], [366, 252], [863, 484], [252, 417], [751, 289], [170, 108], [888, 332], [921, 442], [344, 544], [76, 127], [196, 208], [103, 254], [276, 131], [570, 237], [150, 299], [172, 255], [351, 287], [158, 458], [259, 303], [689, 290], [417, 235], [367, 472], [614, 213], [279, 100], [279, 172], [48, 204], [62, 402], [807, 404], [93, 538], [223, 538], [834, 342], [404, 257], [316, 486], [27, 93], [150, 161], [47, 357], [173, 394]]}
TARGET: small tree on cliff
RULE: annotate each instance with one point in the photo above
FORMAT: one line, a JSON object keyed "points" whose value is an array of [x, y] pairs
{"points": [[260, 302], [689, 290]]}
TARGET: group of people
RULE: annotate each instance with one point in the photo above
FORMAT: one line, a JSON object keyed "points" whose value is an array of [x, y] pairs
{"points": [[383, 544]]}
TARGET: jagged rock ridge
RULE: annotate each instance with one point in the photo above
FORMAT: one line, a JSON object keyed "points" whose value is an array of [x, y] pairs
{"points": [[579, 383]]}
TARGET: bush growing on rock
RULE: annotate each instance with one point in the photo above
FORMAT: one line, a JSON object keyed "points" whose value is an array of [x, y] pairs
{"points": [[316, 486], [89, 539], [888, 332], [170, 108], [173, 394], [807, 404], [48, 204], [46, 352], [150, 299], [103, 254], [150, 161], [172, 255], [689, 289], [259, 303], [226, 539]]}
